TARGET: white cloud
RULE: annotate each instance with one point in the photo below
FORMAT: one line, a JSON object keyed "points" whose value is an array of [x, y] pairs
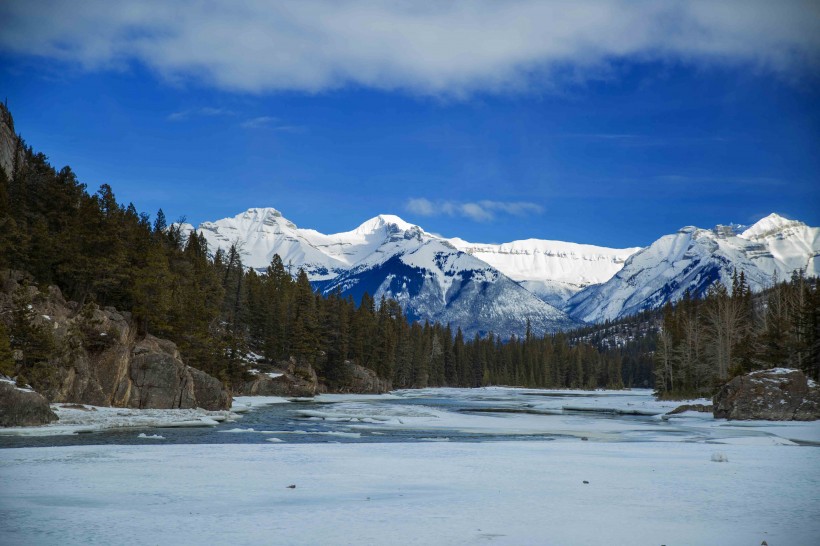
{"points": [[426, 46], [480, 211], [421, 206]]}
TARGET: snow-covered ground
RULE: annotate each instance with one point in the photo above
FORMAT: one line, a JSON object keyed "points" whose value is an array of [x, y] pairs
{"points": [[434, 466], [422, 493]]}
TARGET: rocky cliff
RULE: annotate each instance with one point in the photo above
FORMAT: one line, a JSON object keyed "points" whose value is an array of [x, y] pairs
{"points": [[9, 141], [97, 358]]}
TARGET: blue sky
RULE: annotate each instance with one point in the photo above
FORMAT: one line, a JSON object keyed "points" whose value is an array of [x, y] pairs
{"points": [[614, 143]]}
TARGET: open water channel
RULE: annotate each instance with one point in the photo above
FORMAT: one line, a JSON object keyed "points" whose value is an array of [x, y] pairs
{"points": [[429, 415]]}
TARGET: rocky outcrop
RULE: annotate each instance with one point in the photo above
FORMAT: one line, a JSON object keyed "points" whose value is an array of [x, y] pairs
{"points": [[157, 378], [358, 379], [291, 378], [103, 362], [143, 373], [780, 394], [702, 408], [23, 407]]}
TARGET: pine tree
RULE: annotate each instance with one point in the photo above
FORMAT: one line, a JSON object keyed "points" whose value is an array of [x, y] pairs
{"points": [[7, 366], [304, 335]]}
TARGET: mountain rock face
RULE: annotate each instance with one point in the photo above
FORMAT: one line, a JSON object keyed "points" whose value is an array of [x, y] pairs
{"points": [[692, 259]]}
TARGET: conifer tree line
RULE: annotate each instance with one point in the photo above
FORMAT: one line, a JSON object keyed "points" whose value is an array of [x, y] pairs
{"points": [[704, 342], [99, 252]]}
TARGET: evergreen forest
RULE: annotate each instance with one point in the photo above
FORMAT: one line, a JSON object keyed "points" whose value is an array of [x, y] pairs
{"points": [[105, 253]]}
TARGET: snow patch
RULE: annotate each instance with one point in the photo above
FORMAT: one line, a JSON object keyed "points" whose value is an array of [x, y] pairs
{"points": [[150, 436]]}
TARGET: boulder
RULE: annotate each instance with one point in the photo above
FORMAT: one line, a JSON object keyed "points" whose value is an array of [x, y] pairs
{"points": [[360, 380], [780, 394], [23, 407], [208, 391], [159, 379]]}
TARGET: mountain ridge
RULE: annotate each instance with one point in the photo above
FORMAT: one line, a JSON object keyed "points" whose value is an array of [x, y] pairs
{"points": [[694, 258], [563, 283]]}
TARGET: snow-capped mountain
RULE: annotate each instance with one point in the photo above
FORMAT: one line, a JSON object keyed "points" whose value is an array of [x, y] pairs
{"points": [[498, 287], [262, 232], [552, 270], [428, 275], [693, 258]]}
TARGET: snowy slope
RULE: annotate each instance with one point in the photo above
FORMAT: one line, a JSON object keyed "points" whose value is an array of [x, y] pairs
{"points": [[694, 258], [434, 281], [262, 232], [788, 245], [552, 270]]}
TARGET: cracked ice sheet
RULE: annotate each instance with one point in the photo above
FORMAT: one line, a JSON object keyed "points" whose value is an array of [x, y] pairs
{"points": [[425, 419], [359, 413], [411, 493]]}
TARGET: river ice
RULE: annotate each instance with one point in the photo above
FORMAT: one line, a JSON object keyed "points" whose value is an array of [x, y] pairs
{"points": [[640, 479]]}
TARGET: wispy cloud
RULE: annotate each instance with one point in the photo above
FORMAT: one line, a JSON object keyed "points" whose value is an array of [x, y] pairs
{"points": [[480, 211], [259, 122], [207, 111], [427, 46], [273, 124]]}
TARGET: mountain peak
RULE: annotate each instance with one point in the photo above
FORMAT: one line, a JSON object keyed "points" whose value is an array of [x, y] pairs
{"points": [[383, 220], [262, 212], [772, 223]]}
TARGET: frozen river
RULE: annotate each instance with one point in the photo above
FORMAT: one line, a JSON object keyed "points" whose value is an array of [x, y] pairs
{"points": [[435, 466]]}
